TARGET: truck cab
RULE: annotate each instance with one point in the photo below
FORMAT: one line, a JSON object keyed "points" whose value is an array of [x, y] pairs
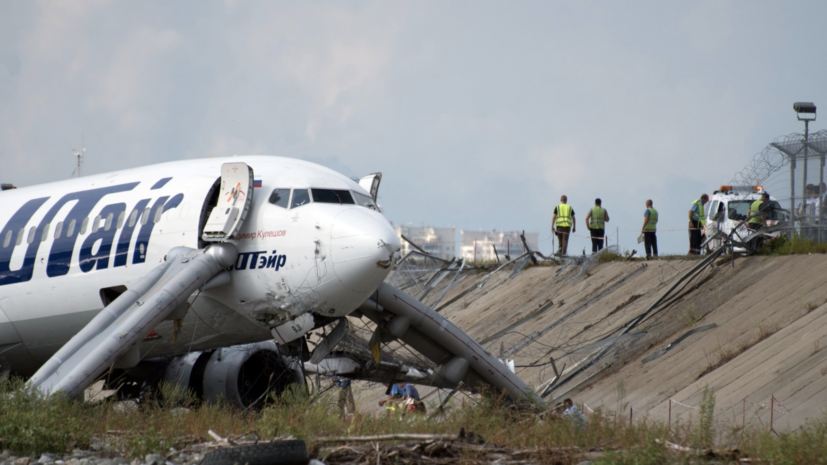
{"points": [[727, 210]]}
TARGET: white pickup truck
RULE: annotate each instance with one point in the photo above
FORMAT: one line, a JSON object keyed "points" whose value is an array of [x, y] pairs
{"points": [[727, 211]]}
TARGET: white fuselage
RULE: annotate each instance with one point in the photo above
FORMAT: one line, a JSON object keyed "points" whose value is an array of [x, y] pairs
{"points": [[66, 247]]}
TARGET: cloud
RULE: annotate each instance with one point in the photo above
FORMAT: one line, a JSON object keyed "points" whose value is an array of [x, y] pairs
{"points": [[335, 56], [222, 146], [561, 167], [478, 114], [134, 84]]}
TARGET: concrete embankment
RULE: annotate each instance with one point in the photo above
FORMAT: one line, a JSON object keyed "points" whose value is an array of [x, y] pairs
{"points": [[768, 338]]}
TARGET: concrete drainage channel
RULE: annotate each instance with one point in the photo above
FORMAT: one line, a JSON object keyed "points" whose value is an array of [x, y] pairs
{"points": [[595, 356], [569, 378]]}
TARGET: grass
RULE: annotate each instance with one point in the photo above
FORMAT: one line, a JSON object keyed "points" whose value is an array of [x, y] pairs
{"points": [[781, 245], [31, 424], [608, 257]]}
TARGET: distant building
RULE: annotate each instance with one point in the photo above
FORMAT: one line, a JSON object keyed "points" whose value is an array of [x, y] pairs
{"points": [[439, 242], [479, 245]]}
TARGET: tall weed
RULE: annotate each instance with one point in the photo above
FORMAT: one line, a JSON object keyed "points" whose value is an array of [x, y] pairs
{"points": [[31, 424]]}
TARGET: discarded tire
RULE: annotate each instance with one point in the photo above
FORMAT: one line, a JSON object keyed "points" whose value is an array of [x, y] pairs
{"points": [[271, 453]]}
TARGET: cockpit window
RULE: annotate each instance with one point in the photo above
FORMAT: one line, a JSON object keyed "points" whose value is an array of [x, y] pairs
{"points": [[332, 196], [300, 197], [365, 201], [280, 197]]}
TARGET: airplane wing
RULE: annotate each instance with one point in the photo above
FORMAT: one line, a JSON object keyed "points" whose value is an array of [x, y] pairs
{"points": [[451, 357], [114, 334], [458, 356]]}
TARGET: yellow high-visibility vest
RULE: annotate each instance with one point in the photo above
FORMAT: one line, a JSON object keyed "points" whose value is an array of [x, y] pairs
{"points": [[755, 212], [652, 224], [598, 218], [563, 216], [700, 217]]}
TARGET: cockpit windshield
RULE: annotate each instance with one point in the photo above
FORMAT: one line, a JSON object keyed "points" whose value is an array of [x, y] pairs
{"points": [[365, 201], [282, 197], [332, 196], [300, 197]]}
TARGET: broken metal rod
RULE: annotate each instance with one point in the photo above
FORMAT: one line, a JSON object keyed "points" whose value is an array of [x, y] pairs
{"points": [[387, 437]]}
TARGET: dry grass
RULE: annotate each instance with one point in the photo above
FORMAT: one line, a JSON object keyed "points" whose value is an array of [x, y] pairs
{"points": [[797, 246], [30, 424]]}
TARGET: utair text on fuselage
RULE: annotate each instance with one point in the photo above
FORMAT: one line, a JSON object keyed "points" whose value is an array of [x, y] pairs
{"points": [[313, 245]]}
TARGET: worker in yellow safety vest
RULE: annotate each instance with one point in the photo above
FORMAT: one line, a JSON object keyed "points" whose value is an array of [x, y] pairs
{"points": [[697, 223], [563, 224], [650, 227], [596, 223], [758, 218]]}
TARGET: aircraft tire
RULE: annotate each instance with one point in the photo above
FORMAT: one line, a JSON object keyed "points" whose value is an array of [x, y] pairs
{"points": [[293, 452]]}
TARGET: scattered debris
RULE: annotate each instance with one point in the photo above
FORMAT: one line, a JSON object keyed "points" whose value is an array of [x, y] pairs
{"points": [[464, 447], [678, 340]]}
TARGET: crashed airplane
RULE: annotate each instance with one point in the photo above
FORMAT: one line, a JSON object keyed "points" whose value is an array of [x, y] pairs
{"points": [[211, 274]]}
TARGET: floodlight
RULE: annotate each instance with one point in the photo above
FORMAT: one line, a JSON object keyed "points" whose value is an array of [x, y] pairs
{"points": [[805, 111]]}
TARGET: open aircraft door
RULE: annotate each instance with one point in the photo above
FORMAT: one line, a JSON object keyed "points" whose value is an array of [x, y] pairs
{"points": [[371, 184], [234, 201], [113, 335]]}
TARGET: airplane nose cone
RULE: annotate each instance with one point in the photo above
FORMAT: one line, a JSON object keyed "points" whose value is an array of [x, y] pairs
{"points": [[362, 249]]}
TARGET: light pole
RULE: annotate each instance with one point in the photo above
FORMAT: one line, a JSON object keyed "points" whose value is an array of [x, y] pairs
{"points": [[806, 111]]}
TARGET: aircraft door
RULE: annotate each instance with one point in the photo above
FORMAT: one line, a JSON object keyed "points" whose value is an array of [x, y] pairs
{"points": [[234, 201], [371, 184]]}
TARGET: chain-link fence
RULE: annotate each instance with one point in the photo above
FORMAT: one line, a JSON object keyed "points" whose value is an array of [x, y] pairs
{"points": [[792, 171]]}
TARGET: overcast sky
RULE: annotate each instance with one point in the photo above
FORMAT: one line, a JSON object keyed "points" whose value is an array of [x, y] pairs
{"points": [[479, 114]]}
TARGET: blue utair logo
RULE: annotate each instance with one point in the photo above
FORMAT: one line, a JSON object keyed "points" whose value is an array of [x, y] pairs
{"points": [[260, 260], [63, 247]]}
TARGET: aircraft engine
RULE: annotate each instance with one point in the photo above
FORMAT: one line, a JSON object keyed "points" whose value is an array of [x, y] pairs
{"points": [[241, 375]]}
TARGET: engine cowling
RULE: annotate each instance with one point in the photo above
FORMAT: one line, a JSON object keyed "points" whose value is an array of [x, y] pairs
{"points": [[240, 375]]}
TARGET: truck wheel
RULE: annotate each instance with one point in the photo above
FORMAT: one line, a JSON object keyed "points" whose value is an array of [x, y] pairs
{"points": [[292, 452]]}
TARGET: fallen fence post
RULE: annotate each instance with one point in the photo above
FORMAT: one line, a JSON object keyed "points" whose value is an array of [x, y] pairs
{"points": [[772, 413], [450, 284], [414, 245], [386, 437], [533, 258], [441, 407]]}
